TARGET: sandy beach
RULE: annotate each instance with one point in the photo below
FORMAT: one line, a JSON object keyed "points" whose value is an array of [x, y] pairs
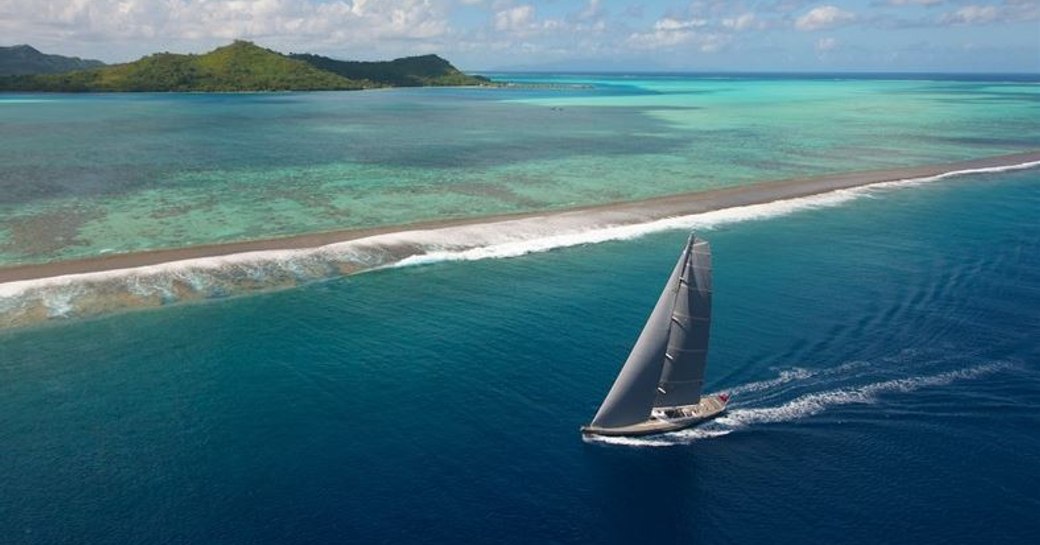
{"points": [[618, 213]]}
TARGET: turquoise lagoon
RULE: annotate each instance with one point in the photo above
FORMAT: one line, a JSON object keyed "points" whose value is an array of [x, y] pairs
{"points": [[86, 175]]}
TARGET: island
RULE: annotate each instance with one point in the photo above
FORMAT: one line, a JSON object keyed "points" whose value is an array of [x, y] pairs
{"points": [[244, 66], [25, 59]]}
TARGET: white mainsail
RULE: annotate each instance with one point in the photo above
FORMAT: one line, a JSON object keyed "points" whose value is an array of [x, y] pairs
{"points": [[666, 365], [682, 378]]}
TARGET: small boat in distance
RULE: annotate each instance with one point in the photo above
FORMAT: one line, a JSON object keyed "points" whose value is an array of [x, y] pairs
{"points": [[659, 388]]}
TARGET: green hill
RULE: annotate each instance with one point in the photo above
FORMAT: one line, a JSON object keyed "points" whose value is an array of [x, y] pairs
{"points": [[421, 71], [241, 66], [25, 59]]}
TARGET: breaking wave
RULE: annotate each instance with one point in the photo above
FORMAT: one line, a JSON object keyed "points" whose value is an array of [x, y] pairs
{"points": [[31, 301]]}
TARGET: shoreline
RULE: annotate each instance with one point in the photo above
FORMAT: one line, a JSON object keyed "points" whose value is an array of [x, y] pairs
{"points": [[619, 213]]}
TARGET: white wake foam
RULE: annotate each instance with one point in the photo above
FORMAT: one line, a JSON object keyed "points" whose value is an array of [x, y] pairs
{"points": [[795, 374], [814, 403], [667, 440], [803, 406], [628, 441]]}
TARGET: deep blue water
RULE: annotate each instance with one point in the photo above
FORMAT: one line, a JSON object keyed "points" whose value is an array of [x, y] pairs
{"points": [[883, 356]]}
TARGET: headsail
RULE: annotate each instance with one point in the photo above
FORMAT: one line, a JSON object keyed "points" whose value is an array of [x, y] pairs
{"points": [[632, 396], [682, 378]]}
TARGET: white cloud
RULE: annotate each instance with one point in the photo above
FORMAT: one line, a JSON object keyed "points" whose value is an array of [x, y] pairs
{"points": [[658, 39], [593, 11], [335, 21], [669, 24], [515, 18], [517, 23], [1011, 12], [971, 15], [1022, 10], [670, 32], [914, 2], [823, 17], [743, 21], [489, 33], [826, 44], [710, 43], [708, 26]]}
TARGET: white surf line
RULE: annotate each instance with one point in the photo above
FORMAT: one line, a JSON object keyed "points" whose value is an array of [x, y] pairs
{"points": [[952, 174], [502, 239], [520, 245], [704, 220], [10, 289]]}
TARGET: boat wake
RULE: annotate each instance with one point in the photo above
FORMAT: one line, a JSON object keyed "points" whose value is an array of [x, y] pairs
{"points": [[751, 406], [78, 295]]}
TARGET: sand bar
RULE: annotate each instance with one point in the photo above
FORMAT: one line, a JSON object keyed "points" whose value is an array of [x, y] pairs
{"points": [[642, 210]]}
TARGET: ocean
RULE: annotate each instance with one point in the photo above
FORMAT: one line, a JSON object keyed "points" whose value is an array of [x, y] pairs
{"points": [[879, 344]]}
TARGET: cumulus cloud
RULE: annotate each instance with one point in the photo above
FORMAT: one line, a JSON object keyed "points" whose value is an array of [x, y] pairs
{"points": [[336, 21], [970, 15], [706, 25], [593, 11], [914, 2], [658, 39], [669, 24], [490, 32], [515, 18], [519, 23], [826, 44], [671, 32], [1010, 12], [744, 21], [824, 17]]}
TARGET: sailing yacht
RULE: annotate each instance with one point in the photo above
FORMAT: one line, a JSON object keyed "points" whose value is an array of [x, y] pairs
{"points": [[659, 389]]}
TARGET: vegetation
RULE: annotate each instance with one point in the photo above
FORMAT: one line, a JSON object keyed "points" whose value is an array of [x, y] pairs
{"points": [[24, 59], [244, 66], [241, 66], [421, 71]]}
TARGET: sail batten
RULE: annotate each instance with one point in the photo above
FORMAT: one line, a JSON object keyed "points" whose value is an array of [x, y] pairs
{"points": [[682, 375], [632, 396], [666, 365]]}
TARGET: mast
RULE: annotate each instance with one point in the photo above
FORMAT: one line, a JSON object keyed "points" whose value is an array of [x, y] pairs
{"points": [[682, 379], [632, 396]]}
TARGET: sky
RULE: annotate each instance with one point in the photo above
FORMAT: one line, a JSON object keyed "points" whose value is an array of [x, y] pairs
{"points": [[596, 35]]}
